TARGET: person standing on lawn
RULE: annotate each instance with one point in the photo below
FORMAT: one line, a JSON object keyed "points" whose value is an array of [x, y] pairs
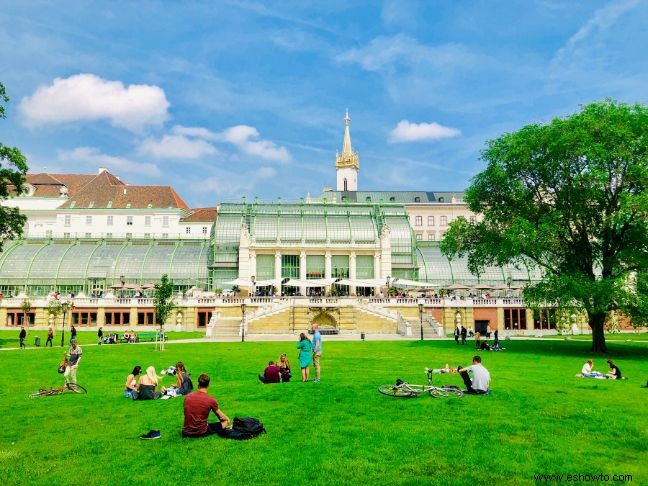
{"points": [[73, 356], [72, 334], [197, 406], [50, 337], [22, 336], [317, 351], [464, 334], [100, 336]]}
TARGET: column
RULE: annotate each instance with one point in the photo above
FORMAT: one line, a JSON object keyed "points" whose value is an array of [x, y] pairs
{"points": [[377, 274], [277, 270], [302, 271], [352, 272], [327, 271]]}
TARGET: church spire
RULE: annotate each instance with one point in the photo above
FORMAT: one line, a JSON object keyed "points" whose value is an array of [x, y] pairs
{"points": [[346, 146], [348, 158]]}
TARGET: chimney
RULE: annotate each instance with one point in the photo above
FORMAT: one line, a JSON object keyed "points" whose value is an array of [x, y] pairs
{"points": [[124, 191], [102, 169]]}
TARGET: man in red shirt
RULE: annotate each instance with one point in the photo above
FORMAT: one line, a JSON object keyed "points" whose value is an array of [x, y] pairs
{"points": [[270, 374], [197, 406]]}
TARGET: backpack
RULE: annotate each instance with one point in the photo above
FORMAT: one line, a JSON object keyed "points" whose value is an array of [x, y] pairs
{"points": [[245, 428]]}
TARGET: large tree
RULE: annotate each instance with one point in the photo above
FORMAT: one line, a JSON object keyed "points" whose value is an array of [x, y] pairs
{"points": [[163, 302], [13, 167], [568, 197]]}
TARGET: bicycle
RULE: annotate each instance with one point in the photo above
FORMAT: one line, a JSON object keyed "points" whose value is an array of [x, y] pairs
{"points": [[67, 388], [402, 389]]}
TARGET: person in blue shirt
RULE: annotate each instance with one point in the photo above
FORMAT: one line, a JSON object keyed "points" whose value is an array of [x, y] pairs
{"points": [[317, 351]]}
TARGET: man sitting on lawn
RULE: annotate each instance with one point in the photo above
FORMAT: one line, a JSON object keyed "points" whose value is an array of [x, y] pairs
{"points": [[197, 406], [270, 374], [480, 380]]}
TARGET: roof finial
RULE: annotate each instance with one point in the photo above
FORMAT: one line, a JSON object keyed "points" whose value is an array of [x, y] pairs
{"points": [[346, 118]]}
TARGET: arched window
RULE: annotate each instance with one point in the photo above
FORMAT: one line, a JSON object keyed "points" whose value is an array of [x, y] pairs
{"points": [[345, 185], [417, 199], [392, 199], [368, 199], [441, 199]]}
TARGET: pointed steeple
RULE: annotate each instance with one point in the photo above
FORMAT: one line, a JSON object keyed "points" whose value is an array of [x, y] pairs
{"points": [[348, 158]]}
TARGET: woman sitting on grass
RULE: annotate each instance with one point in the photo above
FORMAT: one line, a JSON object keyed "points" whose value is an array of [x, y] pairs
{"points": [[615, 372], [146, 387], [131, 383], [183, 385], [284, 368]]}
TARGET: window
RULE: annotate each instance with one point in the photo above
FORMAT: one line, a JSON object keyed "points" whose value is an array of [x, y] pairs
{"points": [[204, 230], [368, 199], [431, 236], [129, 220], [444, 220], [147, 235], [514, 319], [146, 318], [392, 199], [165, 235], [129, 235], [188, 230], [88, 235], [68, 220], [84, 318], [165, 221], [48, 233], [473, 219], [147, 221], [419, 236], [203, 317], [117, 318], [108, 235], [66, 235], [15, 317], [88, 220], [430, 220], [441, 199], [109, 220], [417, 199], [418, 220], [345, 186]]}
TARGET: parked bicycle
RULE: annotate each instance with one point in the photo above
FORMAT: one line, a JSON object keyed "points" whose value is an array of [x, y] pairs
{"points": [[69, 388], [402, 389]]}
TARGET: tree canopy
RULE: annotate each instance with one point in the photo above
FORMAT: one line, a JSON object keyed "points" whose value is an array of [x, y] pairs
{"points": [[568, 197], [13, 167], [163, 300]]}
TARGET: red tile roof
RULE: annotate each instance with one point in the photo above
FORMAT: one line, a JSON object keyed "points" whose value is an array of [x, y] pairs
{"points": [[200, 215]]}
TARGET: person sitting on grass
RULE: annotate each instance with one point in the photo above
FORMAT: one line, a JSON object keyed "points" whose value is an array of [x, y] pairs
{"points": [[284, 368], [615, 372], [480, 380], [147, 385], [271, 374], [183, 385], [197, 406], [131, 383], [588, 370]]}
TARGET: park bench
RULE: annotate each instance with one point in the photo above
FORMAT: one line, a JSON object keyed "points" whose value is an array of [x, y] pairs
{"points": [[148, 336]]}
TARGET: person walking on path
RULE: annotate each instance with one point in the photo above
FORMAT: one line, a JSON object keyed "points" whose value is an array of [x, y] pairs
{"points": [[317, 351], [100, 336], [50, 337], [22, 336], [464, 334], [73, 359], [457, 334], [72, 334]]}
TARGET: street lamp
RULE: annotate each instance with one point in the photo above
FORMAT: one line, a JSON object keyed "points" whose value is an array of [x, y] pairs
{"points": [[243, 306], [420, 306], [65, 306], [387, 284]]}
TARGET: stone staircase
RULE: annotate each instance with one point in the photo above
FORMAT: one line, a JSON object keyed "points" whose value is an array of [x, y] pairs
{"points": [[431, 328], [224, 328]]}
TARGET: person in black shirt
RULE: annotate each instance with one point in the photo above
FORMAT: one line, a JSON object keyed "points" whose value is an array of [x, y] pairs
{"points": [[464, 333], [615, 372], [22, 336]]}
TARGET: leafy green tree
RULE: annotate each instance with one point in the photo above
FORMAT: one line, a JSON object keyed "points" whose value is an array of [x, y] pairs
{"points": [[568, 197], [163, 300], [13, 167]]}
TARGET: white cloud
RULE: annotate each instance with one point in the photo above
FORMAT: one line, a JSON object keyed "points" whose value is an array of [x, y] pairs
{"points": [[244, 137], [176, 147], [417, 132], [199, 132], [89, 97], [233, 184], [90, 156]]}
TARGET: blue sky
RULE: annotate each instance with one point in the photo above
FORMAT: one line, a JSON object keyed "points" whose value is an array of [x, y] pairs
{"points": [[225, 99]]}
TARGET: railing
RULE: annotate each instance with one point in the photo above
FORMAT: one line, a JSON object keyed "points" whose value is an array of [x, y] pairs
{"points": [[403, 327]]}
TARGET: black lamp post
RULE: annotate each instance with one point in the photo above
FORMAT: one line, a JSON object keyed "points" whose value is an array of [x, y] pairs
{"points": [[243, 306], [420, 306], [65, 306], [387, 284]]}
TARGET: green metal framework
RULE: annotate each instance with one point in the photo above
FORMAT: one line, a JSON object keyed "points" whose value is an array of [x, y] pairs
{"points": [[39, 266]]}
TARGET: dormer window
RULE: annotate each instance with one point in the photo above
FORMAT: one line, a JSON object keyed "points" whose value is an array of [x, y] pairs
{"points": [[392, 199], [417, 199], [441, 199]]}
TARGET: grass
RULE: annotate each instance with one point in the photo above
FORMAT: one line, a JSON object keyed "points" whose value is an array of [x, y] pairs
{"points": [[9, 339], [539, 418]]}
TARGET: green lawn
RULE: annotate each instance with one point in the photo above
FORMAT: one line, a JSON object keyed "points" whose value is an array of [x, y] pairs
{"points": [[539, 419]]}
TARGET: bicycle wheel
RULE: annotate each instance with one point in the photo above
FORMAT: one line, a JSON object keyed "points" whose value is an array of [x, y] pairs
{"points": [[395, 391], [438, 393], [454, 391], [74, 388]]}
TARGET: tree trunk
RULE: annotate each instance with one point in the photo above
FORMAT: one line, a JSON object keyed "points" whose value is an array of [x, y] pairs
{"points": [[597, 322]]}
